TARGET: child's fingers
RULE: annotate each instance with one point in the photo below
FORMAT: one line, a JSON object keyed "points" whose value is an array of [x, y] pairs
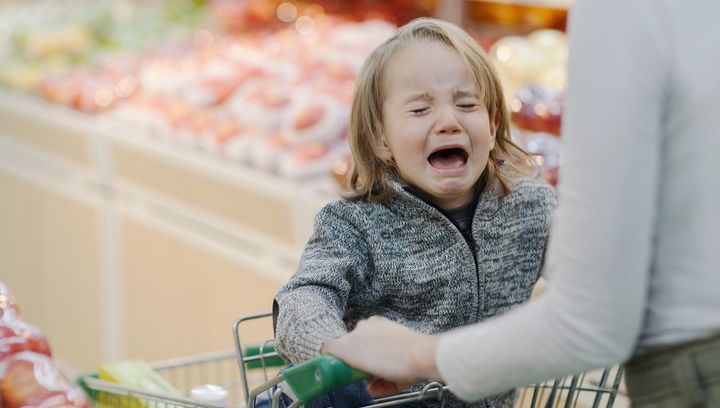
{"points": [[382, 388]]}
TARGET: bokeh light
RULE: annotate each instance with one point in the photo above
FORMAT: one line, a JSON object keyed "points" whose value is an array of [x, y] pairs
{"points": [[287, 12]]}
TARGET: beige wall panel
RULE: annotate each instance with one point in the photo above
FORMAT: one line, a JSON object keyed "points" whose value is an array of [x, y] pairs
{"points": [[246, 207], [46, 136], [182, 301], [49, 258]]}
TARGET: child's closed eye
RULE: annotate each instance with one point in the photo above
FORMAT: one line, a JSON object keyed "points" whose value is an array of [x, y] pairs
{"points": [[419, 111]]}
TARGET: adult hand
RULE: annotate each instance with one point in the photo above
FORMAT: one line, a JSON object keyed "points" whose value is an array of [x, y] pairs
{"points": [[394, 354]]}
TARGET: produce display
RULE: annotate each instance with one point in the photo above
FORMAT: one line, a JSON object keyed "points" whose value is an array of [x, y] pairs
{"points": [[254, 15], [276, 102], [45, 37], [532, 69], [264, 84], [29, 377]]}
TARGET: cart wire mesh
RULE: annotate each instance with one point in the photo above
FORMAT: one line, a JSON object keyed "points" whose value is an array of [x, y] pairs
{"points": [[595, 389], [249, 380]]}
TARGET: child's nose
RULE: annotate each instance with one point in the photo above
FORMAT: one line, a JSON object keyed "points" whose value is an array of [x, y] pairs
{"points": [[447, 122]]}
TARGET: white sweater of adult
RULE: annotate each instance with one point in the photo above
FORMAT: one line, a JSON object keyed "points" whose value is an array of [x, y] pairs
{"points": [[633, 258]]}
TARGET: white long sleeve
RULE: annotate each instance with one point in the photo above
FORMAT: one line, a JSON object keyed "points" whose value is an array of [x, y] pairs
{"points": [[631, 258]]}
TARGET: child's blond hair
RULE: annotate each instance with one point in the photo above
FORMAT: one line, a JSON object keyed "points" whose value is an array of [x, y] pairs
{"points": [[370, 175]]}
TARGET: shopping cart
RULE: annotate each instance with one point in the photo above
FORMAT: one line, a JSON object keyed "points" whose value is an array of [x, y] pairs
{"points": [[255, 376], [316, 377]]}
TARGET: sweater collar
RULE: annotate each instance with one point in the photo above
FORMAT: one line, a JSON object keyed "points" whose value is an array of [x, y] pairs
{"points": [[487, 206]]}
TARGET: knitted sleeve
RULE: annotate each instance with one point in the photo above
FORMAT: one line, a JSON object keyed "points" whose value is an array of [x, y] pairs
{"points": [[313, 302]]}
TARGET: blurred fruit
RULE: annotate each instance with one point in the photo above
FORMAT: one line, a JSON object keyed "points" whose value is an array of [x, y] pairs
{"points": [[537, 109], [310, 152], [245, 15], [545, 150], [68, 40], [20, 76], [516, 17], [17, 336], [308, 116], [33, 380]]}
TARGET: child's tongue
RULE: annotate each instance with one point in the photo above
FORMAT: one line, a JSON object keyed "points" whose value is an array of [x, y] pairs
{"points": [[446, 160]]}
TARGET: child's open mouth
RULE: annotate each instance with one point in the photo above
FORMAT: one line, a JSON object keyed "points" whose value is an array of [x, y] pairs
{"points": [[448, 158]]}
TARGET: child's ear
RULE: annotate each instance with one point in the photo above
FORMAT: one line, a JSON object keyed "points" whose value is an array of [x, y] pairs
{"points": [[382, 149], [494, 124]]}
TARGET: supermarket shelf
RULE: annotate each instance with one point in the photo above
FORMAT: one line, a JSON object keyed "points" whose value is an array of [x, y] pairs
{"points": [[48, 127], [233, 242], [92, 173], [123, 219], [117, 153], [275, 264], [47, 171], [260, 182], [78, 124], [241, 246], [66, 124], [271, 205]]}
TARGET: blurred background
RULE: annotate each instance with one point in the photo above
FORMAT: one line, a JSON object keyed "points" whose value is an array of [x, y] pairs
{"points": [[161, 161]]}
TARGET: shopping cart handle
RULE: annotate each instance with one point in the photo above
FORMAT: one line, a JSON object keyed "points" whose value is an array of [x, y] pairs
{"points": [[319, 376]]}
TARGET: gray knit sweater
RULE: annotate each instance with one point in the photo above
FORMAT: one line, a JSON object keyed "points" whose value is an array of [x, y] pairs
{"points": [[403, 259]]}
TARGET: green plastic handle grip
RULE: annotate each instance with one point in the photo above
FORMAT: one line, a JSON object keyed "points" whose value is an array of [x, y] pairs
{"points": [[319, 376]]}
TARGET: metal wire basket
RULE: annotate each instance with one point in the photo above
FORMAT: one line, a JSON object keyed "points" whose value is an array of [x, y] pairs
{"points": [[254, 375], [594, 389]]}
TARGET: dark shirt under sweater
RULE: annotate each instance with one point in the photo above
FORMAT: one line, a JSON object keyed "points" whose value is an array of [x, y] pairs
{"points": [[461, 217]]}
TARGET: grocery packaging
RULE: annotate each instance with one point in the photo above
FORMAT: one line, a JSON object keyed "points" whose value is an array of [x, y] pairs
{"points": [[32, 379], [136, 374]]}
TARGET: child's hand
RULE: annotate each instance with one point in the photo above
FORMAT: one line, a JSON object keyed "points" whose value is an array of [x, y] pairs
{"points": [[388, 351], [379, 388]]}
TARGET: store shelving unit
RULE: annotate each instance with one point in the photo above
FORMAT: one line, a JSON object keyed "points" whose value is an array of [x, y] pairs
{"points": [[135, 229]]}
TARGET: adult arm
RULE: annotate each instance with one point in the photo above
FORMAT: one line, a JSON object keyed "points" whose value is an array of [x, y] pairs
{"points": [[600, 251]]}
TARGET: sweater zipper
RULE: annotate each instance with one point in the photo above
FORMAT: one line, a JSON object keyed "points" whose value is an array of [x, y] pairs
{"points": [[480, 303]]}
